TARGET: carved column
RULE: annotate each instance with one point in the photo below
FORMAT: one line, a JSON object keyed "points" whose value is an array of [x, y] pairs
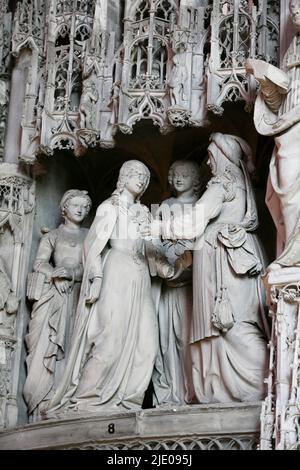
{"points": [[16, 107], [280, 419], [5, 38], [17, 199]]}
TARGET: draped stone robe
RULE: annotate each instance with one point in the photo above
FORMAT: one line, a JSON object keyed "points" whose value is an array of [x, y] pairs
{"points": [[53, 315], [283, 192], [227, 366], [172, 377], [115, 341]]}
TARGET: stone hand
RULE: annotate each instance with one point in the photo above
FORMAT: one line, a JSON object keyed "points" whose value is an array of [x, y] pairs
{"points": [[256, 270], [185, 261], [151, 230], [62, 273], [61, 285], [145, 230], [94, 291]]}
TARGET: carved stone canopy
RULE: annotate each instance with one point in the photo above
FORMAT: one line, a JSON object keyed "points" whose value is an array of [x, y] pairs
{"points": [[86, 83]]}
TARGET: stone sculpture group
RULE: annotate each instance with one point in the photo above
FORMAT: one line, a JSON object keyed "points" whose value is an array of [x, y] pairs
{"points": [[174, 297], [101, 330]]}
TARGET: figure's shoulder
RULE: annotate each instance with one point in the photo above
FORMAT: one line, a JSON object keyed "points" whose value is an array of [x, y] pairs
{"points": [[169, 202], [107, 207], [50, 236], [225, 183], [215, 182]]}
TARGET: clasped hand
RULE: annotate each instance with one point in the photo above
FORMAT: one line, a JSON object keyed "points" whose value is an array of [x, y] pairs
{"points": [[145, 230], [61, 277], [151, 230]]}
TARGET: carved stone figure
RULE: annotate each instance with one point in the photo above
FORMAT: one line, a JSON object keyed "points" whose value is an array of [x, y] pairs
{"points": [[114, 103], [172, 378], [116, 337], [88, 100], [229, 347], [4, 100], [277, 114], [178, 82], [55, 286], [8, 302]]}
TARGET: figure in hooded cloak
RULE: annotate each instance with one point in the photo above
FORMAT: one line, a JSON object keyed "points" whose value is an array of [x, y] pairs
{"points": [[229, 328]]}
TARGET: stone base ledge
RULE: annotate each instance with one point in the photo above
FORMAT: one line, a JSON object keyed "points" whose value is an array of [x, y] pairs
{"points": [[197, 426]]}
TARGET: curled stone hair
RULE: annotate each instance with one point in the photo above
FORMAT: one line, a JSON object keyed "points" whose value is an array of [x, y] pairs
{"points": [[127, 169], [193, 169], [69, 195]]}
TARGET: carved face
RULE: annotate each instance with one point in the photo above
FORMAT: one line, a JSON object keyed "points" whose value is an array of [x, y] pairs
{"points": [[137, 181], [295, 12], [182, 180], [77, 209]]}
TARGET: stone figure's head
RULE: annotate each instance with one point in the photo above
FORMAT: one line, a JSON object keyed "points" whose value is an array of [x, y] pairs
{"points": [[75, 205], [227, 149], [295, 12], [135, 177], [180, 47], [183, 176]]}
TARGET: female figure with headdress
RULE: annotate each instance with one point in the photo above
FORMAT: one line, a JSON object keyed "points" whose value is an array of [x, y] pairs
{"points": [[229, 328], [116, 337], [55, 287], [172, 378]]}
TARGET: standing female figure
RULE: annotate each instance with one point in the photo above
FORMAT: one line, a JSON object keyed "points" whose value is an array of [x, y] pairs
{"points": [[58, 271], [116, 335], [172, 378], [229, 327]]}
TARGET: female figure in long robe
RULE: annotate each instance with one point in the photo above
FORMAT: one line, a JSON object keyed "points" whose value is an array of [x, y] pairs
{"points": [[115, 339], [172, 379], [58, 274], [229, 327]]}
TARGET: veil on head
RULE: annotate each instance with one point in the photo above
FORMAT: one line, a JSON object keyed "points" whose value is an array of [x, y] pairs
{"points": [[234, 148], [238, 152]]}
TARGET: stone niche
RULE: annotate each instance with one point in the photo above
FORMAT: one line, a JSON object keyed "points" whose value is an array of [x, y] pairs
{"points": [[97, 173], [77, 129]]}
